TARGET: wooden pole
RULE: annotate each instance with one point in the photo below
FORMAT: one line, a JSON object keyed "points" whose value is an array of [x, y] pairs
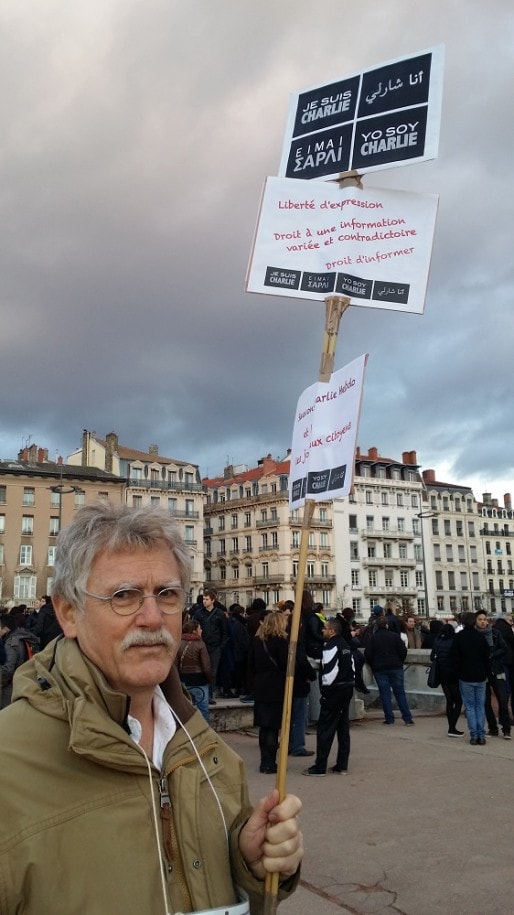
{"points": [[335, 306]]}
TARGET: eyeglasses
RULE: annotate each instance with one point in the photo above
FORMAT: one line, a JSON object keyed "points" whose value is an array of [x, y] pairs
{"points": [[127, 601]]}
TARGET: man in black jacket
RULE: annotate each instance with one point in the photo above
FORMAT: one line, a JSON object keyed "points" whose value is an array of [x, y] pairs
{"points": [[499, 655], [385, 652], [473, 665], [214, 632], [336, 683]]}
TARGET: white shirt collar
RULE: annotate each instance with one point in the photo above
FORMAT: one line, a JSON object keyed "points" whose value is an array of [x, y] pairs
{"points": [[164, 726]]}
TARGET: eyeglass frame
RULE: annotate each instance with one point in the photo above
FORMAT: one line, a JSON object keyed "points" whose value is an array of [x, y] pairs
{"points": [[142, 597]]}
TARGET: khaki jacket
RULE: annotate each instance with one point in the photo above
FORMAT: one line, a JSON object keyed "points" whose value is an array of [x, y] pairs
{"points": [[88, 827]]}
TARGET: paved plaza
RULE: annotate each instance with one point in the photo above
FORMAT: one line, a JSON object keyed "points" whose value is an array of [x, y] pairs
{"points": [[422, 824]]}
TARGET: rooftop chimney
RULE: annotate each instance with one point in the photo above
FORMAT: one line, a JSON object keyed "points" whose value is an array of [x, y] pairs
{"points": [[428, 476], [507, 501]]}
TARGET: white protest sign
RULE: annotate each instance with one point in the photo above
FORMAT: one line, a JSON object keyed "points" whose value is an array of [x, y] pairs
{"points": [[325, 435], [314, 239], [379, 118]]}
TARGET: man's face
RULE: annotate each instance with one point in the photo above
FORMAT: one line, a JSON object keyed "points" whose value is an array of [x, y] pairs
{"points": [[481, 621], [208, 602], [100, 632], [410, 622]]}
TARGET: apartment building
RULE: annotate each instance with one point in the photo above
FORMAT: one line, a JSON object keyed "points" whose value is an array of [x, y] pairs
{"points": [[455, 533], [152, 479], [497, 539], [381, 549], [37, 498], [252, 541]]}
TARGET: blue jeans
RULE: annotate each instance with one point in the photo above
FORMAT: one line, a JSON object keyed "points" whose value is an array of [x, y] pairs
{"points": [[298, 725], [388, 680], [200, 697], [473, 697]]}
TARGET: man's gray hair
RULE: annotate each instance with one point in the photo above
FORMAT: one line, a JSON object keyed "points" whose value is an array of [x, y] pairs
{"points": [[112, 527]]}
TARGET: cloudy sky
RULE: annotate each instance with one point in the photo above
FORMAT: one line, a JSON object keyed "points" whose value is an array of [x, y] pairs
{"points": [[136, 136]]}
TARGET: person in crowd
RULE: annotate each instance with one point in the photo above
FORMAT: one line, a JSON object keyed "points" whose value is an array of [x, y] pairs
{"points": [[46, 627], [346, 616], [254, 617], [19, 645], [412, 632], [304, 676], [194, 665], [269, 658], [369, 630], [240, 641], [312, 622], [32, 615], [443, 652], [358, 659], [385, 653], [499, 656], [428, 638], [472, 663], [107, 768], [214, 633], [393, 622], [503, 623], [337, 681]]}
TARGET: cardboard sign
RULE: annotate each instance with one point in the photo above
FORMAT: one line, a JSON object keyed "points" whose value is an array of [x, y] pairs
{"points": [[314, 239], [325, 435], [376, 119]]}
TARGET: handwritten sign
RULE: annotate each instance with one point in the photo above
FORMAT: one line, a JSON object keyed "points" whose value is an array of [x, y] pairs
{"points": [[384, 117], [314, 239], [325, 436]]}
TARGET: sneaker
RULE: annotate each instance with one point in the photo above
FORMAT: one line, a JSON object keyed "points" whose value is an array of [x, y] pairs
{"points": [[248, 700], [506, 735], [312, 770], [303, 752], [473, 742], [455, 733], [481, 741], [409, 723], [337, 771], [388, 722], [268, 770]]}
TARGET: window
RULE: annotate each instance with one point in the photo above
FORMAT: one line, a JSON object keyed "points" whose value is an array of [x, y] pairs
{"points": [[189, 479], [439, 580], [388, 578], [369, 497], [388, 550], [25, 555], [355, 578], [233, 522], [55, 499], [264, 541], [404, 578], [136, 473], [2, 524], [323, 514], [419, 579], [435, 527], [295, 568], [80, 498], [51, 555], [459, 528], [264, 514], [235, 572], [221, 523], [370, 522], [416, 526], [449, 552], [274, 540], [248, 543], [451, 581], [401, 524], [137, 501], [323, 540], [190, 508], [3, 495], [27, 524], [29, 495], [155, 501], [312, 543], [462, 557], [385, 524], [354, 549], [1, 560], [24, 586], [447, 528], [471, 528], [324, 569], [402, 550], [488, 548], [414, 501], [399, 499], [372, 550], [310, 570], [418, 552], [189, 533], [274, 515], [235, 544], [296, 540], [249, 572], [445, 504], [222, 550], [463, 581], [372, 578], [384, 497], [352, 522], [172, 504], [265, 570]]}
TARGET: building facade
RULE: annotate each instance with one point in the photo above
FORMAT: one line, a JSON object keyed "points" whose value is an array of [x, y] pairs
{"points": [[252, 541], [381, 550], [152, 479], [497, 537], [37, 498]]}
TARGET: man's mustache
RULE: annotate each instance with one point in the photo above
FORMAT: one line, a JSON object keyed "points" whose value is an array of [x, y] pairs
{"points": [[145, 637]]}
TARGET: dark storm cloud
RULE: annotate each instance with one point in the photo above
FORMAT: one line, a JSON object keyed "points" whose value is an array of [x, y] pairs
{"points": [[136, 139]]}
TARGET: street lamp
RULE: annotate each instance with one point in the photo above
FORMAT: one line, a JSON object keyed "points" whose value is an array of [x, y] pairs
{"points": [[63, 490], [421, 515]]}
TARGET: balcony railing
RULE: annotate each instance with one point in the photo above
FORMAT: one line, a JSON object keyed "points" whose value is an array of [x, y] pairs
{"points": [[163, 485]]}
